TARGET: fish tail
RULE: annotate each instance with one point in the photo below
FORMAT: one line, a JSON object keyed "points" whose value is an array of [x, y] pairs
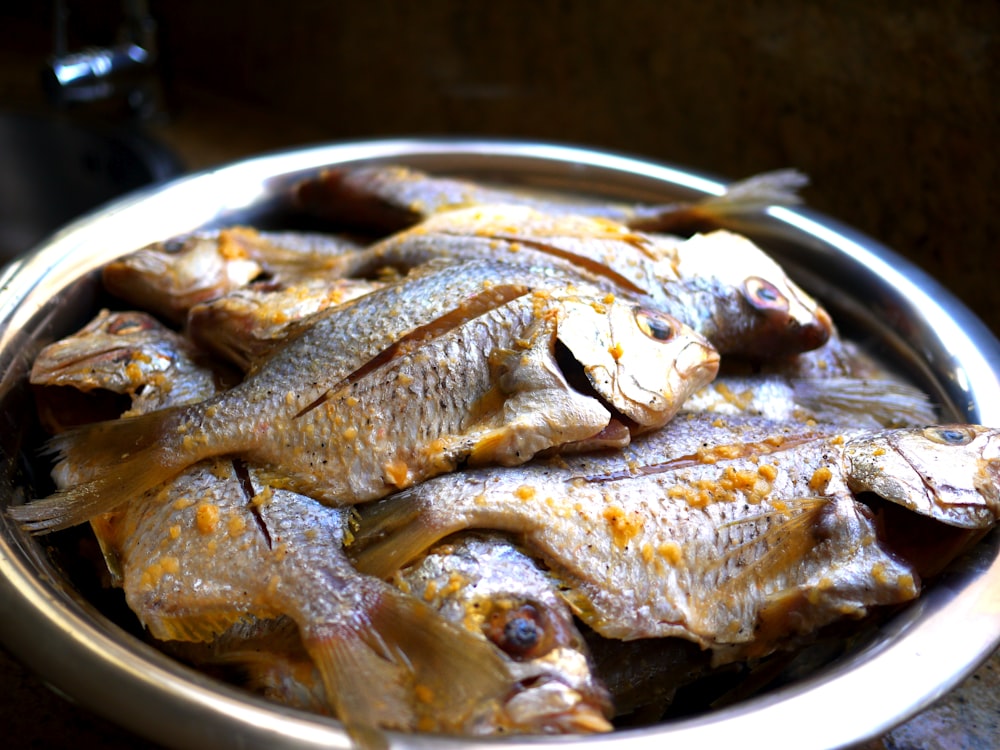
{"points": [[117, 460], [890, 403], [779, 187], [746, 197], [392, 532], [400, 664]]}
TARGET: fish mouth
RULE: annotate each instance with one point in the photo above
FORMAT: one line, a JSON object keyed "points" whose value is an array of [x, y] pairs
{"points": [[576, 376], [791, 325], [543, 704], [815, 332]]}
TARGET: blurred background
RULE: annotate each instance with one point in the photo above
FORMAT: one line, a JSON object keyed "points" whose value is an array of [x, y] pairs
{"points": [[891, 108]]}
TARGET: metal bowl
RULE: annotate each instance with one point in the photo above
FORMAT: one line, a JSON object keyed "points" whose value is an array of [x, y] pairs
{"points": [[893, 308]]}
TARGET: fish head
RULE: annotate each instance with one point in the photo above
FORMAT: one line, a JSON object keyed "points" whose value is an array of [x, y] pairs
{"points": [[116, 351], [950, 473], [168, 277], [556, 689], [771, 316], [641, 362], [500, 594]]}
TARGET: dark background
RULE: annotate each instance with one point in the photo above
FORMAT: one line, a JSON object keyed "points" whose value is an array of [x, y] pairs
{"points": [[891, 108]]}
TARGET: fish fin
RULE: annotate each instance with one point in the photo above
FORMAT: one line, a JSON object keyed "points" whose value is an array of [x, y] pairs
{"points": [[199, 627], [416, 664], [788, 537], [779, 187], [890, 403], [750, 196], [119, 460], [360, 685], [390, 533]]}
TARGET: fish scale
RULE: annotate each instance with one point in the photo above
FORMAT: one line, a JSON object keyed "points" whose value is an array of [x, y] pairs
{"points": [[736, 549], [312, 411], [720, 283], [199, 560]]}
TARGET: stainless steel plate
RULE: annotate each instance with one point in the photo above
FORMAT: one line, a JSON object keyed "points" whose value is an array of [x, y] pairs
{"points": [[896, 310]]}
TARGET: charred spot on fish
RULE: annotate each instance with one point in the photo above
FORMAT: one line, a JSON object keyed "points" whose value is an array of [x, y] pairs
{"points": [[764, 295], [655, 324], [246, 484], [173, 246], [954, 435]]}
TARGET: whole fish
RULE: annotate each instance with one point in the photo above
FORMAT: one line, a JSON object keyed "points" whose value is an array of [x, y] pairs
{"points": [[167, 278], [215, 546], [720, 283], [492, 588], [248, 323], [739, 547], [486, 382], [392, 197], [130, 353]]}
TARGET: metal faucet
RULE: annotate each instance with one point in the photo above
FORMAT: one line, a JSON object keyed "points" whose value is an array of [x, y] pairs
{"points": [[123, 70]]}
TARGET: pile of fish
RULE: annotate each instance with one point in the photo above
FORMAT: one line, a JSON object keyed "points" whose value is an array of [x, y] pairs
{"points": [[473, 462]]}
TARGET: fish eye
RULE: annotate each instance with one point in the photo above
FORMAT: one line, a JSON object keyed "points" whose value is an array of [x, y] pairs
{"points": [[949, 435], [654, 324], [126, 326], [519, 632], [764, 295]]}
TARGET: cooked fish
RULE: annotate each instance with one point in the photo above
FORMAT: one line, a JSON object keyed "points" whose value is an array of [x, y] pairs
{"points": [[393, 197], [492, 588], [167, 278], [486, 585], [837, 358], [739, 547], [248, 323], [720, 283], [486, 382], [216, 546], [127, 352]]}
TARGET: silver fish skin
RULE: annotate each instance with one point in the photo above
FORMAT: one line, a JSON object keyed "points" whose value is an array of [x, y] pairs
{"points": [[197, 555], [392, 197], [492, 588], [216, 546], [167, 278], [247, 324], [860, 402], [720, 283], [737, 548], [480, 383]]}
